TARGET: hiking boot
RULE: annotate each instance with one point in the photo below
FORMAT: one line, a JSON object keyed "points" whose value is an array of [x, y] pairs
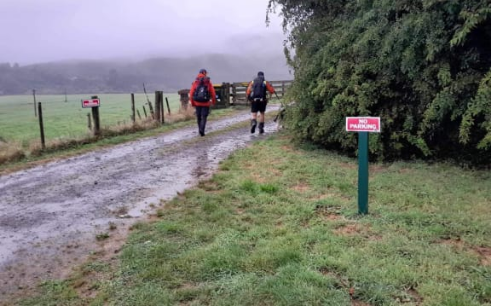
{"points": [[202, 126], [253, 126], [261, 127]]}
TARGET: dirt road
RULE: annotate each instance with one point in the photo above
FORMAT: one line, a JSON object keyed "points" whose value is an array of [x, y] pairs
{"points": [[51, 215]]}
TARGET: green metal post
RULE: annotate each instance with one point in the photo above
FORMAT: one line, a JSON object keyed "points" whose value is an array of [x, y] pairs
{"points": [[363, 173]]}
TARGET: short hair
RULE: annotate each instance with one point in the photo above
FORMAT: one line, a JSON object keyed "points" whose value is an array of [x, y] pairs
{"points": [[203, 71], [260, 73]]}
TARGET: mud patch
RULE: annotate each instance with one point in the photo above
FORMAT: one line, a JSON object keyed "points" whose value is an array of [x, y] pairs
{"points": [[187, 286], [256, 177], [404, 170], [455, 243], [353, 228], [377, 169], [484, 255], [275, 172], [411, 296], [100, 263], [287, 148], [302, 188], [249, 165], [349, 229], [348, 166], [343, 284], [208, 186], [321, 197], [415, 297], [324, 271], [375, 237], [330, 213], [45, 261]]}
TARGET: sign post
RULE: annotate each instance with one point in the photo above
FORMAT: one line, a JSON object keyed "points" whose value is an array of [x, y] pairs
{"points": [[94, 102], [363, 173], [363, 125]]}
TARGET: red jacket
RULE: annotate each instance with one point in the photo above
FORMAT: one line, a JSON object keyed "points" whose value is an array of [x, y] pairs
{"points": [[211, 90]]}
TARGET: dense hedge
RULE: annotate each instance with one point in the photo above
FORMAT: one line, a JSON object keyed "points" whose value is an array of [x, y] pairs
{"points": [[422, 65]]}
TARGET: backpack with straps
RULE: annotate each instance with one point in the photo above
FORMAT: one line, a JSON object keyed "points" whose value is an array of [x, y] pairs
{"points": [[201, 93], [258, 93]]}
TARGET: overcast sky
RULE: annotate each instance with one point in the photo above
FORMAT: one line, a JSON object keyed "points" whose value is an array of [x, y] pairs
{"points": [[34, 31]]}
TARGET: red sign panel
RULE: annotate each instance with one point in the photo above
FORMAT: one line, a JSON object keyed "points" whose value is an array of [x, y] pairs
{"points": [[363, 124], [91, 103]]}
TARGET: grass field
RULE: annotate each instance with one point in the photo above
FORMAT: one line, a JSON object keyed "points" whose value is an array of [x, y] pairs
{"points": [[180, 121], [277, 225], [66, 120]]}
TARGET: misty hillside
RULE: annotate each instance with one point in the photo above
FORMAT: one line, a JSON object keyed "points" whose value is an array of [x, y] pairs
{"points": [[160, 73]]}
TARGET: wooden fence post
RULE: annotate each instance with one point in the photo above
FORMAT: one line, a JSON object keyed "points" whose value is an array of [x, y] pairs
{"points": [[89, 122], [144, 111], [41, 125], [226, 93], [162, 108], [35, 109], [150, 108], [234, 93], [138, 112], [168, 107], [157, 107], [133, 115], [97, 121]]}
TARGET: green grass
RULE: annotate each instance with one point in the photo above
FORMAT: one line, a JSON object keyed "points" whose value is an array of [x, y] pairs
{"points": [[66, 120], [277, 225], [31, 160]]}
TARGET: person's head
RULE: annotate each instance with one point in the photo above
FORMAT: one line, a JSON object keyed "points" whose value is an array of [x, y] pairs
{"points": [[203, 71], [260, 74]]}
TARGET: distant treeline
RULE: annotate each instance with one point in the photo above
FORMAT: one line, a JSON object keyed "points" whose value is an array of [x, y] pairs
{"points": [[168, 74]]}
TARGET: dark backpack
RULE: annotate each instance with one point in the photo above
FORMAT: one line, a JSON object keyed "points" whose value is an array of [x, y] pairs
{"points": [[258, 93], [201, 93]]}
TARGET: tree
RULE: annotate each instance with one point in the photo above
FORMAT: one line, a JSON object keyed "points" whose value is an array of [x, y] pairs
{"points": [[424, 66]]}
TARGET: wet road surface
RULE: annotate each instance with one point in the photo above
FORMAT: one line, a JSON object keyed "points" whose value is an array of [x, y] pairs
{"points": [[51, 214]]}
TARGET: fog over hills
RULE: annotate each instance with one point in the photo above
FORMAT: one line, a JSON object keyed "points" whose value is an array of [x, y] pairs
{"points": [[237, 59]]}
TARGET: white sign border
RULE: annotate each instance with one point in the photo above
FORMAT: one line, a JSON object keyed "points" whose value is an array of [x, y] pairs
{"points": [[98, 105], [377, 131]]}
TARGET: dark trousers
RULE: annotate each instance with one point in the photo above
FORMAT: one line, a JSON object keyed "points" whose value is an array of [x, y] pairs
{"points": [[201, 115]]}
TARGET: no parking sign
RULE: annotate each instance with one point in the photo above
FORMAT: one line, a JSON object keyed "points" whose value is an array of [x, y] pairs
{"points": [[87, 103], [363, 125]]}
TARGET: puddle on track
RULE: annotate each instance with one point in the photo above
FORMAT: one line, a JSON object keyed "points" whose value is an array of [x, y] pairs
{"points": [[51, 214]]}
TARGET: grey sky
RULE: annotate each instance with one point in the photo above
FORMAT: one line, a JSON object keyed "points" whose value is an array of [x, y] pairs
{"points": [[48, 30]]}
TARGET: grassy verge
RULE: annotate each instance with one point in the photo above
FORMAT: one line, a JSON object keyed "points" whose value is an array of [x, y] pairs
{"points": [[277, 225]]}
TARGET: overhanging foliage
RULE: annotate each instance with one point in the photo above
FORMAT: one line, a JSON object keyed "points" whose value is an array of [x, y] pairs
{"points": [[424, 66]]}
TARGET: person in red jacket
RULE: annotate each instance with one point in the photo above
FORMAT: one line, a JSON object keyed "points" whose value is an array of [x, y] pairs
{"points": [[201, 96], [257, 95]]}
